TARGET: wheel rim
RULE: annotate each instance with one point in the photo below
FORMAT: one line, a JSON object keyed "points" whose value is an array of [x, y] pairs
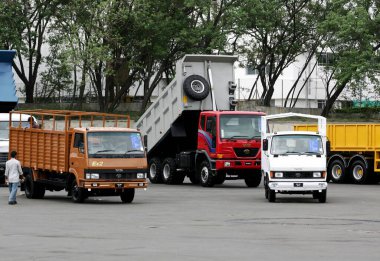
{"points": [[75, 192], [197, 86], [336, 172], [204, 174], [358, 172], [153, 171], [166, 171]]}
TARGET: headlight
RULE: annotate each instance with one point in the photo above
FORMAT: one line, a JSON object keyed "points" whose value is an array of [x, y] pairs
{"points": [[227, 164], [317, 174], [278, 175], [141, 175], [92, 175]]}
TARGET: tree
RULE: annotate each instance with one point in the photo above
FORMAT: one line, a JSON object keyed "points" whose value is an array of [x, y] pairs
{"points": [[353, 27], [271, 45], [24, 24]]}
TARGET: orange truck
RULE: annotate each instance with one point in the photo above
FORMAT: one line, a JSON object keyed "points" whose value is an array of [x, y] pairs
{"points": [[355, 151], [84, 153]]}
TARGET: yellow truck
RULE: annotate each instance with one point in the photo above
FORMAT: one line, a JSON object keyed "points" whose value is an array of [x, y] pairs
{"points": [[85, 153], [355, 151]]}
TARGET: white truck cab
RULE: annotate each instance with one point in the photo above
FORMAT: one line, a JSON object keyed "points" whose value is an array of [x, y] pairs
{"points": [[294, 162]]}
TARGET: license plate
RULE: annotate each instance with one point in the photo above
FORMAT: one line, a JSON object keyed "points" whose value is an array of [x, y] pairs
{"points": [[119, 185], [298, 185]]}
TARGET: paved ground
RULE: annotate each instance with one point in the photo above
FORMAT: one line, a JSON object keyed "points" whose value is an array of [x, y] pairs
{"points": [[187, 222]]}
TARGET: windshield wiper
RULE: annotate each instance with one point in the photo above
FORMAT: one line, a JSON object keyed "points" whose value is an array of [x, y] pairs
{"points": [[129, 151], [237, 137], [100, 151]]}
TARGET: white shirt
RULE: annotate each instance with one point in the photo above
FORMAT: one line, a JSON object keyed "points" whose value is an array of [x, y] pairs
{"points": [[13, 170]]}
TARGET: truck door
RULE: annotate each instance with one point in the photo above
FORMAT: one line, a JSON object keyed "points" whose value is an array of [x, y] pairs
{"points": [[211, 130], [77, 153]]}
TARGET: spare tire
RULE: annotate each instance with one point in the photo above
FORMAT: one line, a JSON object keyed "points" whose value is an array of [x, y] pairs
{"points": [[196, 87]]}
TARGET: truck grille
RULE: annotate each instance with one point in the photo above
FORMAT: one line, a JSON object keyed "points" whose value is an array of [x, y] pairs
{"points": [[298, 175], [246, 152], [117, 176], [3, 157]]}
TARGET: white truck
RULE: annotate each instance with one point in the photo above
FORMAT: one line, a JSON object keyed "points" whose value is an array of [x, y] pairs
{"points": [[294, 162]]}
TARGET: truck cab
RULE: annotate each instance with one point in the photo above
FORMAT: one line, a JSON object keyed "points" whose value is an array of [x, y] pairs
{"points": [[294, 162], [229, 146]]}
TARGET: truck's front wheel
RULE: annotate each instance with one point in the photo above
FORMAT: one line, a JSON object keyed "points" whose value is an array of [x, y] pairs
{"points": [[253, 179], [78, 194], [33, 189], [207, 179], [127, 195], [322, 196], [271, 195]]}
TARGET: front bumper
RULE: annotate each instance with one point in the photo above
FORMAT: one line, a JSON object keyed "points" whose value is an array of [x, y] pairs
{"points": [[101, 184], [238, 164], [297, 185]]}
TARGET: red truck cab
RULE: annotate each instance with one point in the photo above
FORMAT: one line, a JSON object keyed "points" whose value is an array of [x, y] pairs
{"points": [[229, 147]]}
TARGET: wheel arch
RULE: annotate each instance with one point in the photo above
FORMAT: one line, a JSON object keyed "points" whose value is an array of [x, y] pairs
{"points": [[358, 157], [339, 157]]}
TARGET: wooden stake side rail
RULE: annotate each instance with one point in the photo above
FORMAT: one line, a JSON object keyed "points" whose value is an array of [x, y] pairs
{"points": [[45, 147]]}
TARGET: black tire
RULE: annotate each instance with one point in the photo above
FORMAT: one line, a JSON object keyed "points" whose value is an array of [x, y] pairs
{"points": [[194, 178], [271, 195], [253, 179], [206, 176], [359, 172], [220, 177], [155, 170], [322, 196], [33, 189], [196, 87], [337, 171], [78, 195], [169, 171], [315, 194], [127, 195]]}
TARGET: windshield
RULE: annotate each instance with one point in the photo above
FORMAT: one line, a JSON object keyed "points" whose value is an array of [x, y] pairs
{"points": [[239, 126], [4, 128], [114, 144], [296, 144]]}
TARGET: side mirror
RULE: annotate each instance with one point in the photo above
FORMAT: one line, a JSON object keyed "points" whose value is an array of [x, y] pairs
{"points": [[265, 145], [145, 140], [328, 147], [81, 148]]}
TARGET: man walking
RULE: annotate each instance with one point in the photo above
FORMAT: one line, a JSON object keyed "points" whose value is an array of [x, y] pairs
{"points": [[13, 172]]}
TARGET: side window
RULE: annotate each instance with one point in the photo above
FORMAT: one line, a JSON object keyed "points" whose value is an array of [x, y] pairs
{"points": [[78, 140], [203, 119], [211, 125]]}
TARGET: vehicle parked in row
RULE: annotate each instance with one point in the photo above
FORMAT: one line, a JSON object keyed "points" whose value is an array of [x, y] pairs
{"points": [[355, 152], [84, 153], [193, 129], [294, 162]]}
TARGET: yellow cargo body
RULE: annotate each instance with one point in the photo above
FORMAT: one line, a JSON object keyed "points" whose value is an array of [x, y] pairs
{"points": [[352, 142]]}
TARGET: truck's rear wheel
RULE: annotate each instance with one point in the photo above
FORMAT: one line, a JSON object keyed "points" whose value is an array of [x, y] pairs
{"points": [[196, 87], [78, 194], [169, 171], [155, 170], [206, 177], [127, 195], [337, 171], [33, 189], [360, 172]]}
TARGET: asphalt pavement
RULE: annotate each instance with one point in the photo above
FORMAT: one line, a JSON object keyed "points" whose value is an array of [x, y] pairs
{"points": [[189, 222]]}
